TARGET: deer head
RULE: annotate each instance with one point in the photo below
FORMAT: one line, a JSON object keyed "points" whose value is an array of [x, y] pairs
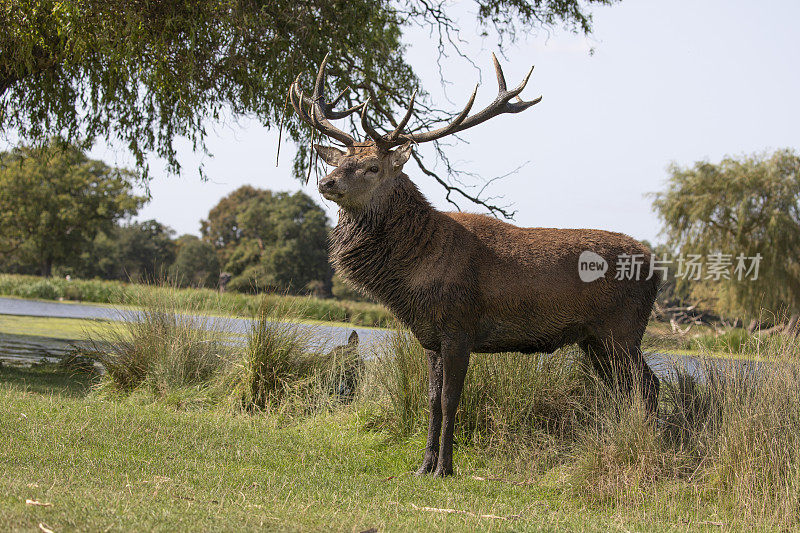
{"points": [[371, 167]]}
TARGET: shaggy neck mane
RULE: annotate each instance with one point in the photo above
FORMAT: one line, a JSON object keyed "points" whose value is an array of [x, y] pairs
{"points": [[372, 247]]}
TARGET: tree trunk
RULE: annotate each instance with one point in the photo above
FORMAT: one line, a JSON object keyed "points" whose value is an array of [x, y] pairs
{"points": [[46, 267]]}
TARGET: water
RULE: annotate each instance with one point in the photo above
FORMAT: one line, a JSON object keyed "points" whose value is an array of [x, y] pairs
{"points": [[14, 306], [30, 349], [333, 335]]}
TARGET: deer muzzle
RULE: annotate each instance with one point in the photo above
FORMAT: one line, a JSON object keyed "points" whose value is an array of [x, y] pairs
{"points": [[327, 187]]}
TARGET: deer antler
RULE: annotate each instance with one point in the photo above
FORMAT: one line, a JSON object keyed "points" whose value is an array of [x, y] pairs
{"points": [[462, 121], [321, 111]]}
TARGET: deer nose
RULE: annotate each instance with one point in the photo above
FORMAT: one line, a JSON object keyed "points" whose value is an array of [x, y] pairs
{"points": [[326, 184]]}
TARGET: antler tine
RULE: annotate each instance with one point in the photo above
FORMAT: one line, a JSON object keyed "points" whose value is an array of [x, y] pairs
{"points": [[500, 105], [521, 86], [379, 139], [320, 110], [318, 97], [319, 82], [453, 127], [501, 79], [335, 115], [328, 108], [402, 124], [297, 99]]}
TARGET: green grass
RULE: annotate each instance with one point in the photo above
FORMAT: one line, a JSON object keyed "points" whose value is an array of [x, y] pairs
{"points": [[116, 292], [126, 465], [137, 462], [58, 328], [189, 431]]}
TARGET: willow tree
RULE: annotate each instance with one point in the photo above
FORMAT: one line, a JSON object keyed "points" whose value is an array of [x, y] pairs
{"points": [[145, 73], [748, 207]]}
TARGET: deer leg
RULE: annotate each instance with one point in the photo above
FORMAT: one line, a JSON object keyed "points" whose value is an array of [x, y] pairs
{"points": [[455, 360], [647, 380], [600, 360], [634, 371], [620, 365], [435, 414]]}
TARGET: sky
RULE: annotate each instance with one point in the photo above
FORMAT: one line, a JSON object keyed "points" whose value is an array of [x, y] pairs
{"points": [[656, 83]]}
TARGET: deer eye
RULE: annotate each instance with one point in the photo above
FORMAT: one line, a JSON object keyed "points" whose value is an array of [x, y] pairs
{"points": [[373, 168]]}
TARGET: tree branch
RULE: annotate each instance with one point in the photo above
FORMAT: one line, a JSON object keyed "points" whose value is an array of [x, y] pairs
{"points": [[493, 209]]}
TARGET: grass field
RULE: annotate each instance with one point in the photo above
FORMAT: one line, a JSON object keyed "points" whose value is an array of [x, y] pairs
{"points": [[102, 465], [187, 430]]}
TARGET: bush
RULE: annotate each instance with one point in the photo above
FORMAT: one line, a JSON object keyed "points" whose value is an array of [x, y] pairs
{"points": [[162, 347], [43, 290]]}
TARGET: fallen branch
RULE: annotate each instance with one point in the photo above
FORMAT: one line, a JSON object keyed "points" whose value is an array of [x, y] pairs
{"points": [[467, 513], [37, 503], [501, 480]]}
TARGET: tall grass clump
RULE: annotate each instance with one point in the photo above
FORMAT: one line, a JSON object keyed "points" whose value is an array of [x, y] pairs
{"points": [[163, 347], [617, 453], [274, 359], [729, 428], [287, 366], [507, 398], [747, 431]]}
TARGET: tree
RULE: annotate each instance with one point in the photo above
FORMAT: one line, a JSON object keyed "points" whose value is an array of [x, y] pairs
{"points": [[100, 259], [196, 264], [221, 228], [270, 241], [54, 201], [145, 250], [745, 206], [148, 72]]}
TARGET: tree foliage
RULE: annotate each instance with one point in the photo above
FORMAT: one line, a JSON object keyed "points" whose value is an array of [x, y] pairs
{"points": [[221, 229], [749, 206], [196, 264], [54, 201], [147, 73], [270, 241], [144, 250]]}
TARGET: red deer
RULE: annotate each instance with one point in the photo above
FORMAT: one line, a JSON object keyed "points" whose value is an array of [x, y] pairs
{"points": [[467, 283]]}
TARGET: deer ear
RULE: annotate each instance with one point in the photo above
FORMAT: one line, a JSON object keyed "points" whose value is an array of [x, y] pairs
{"points": [[329, 154], [401, 155]]}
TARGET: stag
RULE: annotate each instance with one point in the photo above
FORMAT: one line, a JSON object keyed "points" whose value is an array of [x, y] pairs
{"points": [[465, 283]]}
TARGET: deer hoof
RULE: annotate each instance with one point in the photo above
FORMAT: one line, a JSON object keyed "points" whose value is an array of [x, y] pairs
{"points": [[443, 472], [428, 463], [426, 468]]}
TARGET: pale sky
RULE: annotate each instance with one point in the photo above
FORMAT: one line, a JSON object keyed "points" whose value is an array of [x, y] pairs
{"points": [[676, 81]]}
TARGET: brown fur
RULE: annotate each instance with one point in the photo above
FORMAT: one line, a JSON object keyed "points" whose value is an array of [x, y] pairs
{"points": [[469, 283]]}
